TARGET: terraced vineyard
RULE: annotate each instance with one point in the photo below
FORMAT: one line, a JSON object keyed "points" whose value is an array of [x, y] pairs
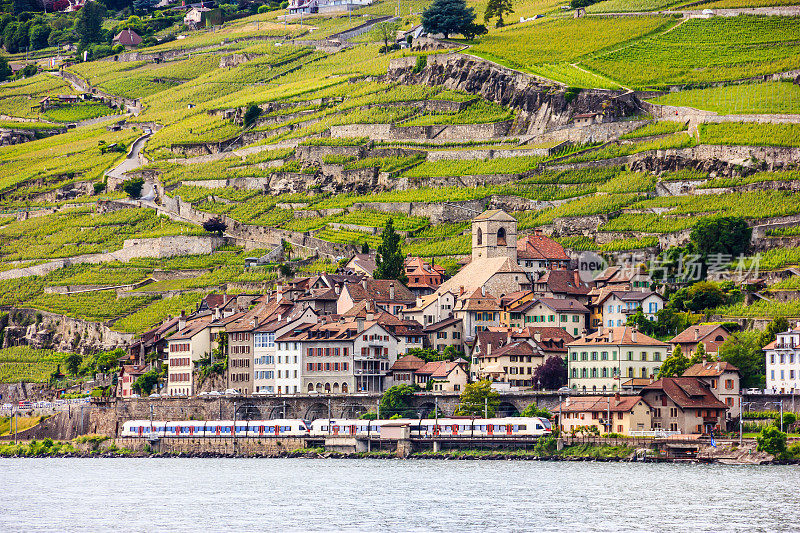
{"points": [[316, 147]]}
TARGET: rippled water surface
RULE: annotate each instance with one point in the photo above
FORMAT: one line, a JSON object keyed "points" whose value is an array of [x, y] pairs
{"points": [[392, 495]]}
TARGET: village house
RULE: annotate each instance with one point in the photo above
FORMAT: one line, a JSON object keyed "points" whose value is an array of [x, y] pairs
{"points": [[685, 405], [409, 333], [190, 343], [444, 376], [423, 278], [614, 308], [598, 361], [723, 379], [711, 335], [432, 308], [562, 284], [537, 254], [402, 371], [783, 362], [565, 313], [264, 347], [478, 311], [510, 361], [128, 374], [195, 18], [609, 414], [361, 265], [447, 332], [336, 357], [389, 295], [127, 38], [624, 278]]}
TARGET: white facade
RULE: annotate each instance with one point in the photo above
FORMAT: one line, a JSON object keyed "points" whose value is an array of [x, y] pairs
{"points": [[432, 308], [616, 311], [783, 362], [264, 362], [288, 368]]}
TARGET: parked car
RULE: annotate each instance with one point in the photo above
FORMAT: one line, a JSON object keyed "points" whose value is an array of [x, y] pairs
{"points": [[155, 395], [564, 390], [215, 393], [754, 391], [232, 392], [204, 393]]}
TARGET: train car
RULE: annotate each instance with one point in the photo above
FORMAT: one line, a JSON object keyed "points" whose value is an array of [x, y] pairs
{"points": [[285, 427], [345, 427], [143, 428], [219, 428]]}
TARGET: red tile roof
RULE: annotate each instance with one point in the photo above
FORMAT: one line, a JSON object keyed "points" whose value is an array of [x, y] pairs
{"points": [[709, 369], [583, 404], [408, 362], [686, 392], [540, 247]]}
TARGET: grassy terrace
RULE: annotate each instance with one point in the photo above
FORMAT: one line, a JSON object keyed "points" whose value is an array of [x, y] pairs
{"points": [[22, 363], [758, 98], [690, 53], [539, 47], [80, 231]]}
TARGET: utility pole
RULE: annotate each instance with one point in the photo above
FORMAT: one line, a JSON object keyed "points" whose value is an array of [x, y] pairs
{"points": [[436, 410], [608, 420], [329, 415], [486, 407], [234, 428]]}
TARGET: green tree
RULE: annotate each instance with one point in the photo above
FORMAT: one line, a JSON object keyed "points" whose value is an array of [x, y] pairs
{"points": [[144, 384], [477, 399], [73, 363], [447, 17], [772, 440], [397, 401], [674, 365], [365, 247], [426, 354], [721, 235], [389, 259], [89, 22], [743, 350], [498, 8], [387, 32], [533, 411], [252, 113], [770, 333], [133, 187], [37, 36], [5, 70]]}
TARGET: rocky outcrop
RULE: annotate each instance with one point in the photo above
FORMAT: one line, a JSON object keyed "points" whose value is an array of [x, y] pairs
{"points": [[543, 105]]}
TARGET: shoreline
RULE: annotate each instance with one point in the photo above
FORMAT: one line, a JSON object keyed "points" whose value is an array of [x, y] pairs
{"points": [[437, 456]]}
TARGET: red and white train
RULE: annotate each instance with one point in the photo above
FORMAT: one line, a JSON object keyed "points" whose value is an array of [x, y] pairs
{"points": [[324, 427]]}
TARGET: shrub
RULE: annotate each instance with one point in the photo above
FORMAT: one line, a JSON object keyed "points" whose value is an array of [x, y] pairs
{"points": [[772, 441], [133, 187]]}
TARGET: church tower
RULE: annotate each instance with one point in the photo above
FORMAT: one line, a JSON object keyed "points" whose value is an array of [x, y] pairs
{"points": [[494, 234]]}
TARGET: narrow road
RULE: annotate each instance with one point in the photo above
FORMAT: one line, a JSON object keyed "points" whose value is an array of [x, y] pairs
{"points": [[131, 162]]}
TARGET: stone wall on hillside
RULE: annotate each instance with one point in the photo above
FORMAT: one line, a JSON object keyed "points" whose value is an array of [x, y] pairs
{"points": [[61, 333], [543, 105]]}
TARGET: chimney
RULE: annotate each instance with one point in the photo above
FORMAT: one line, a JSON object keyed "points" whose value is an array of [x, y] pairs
{"points": [[216, 314], [364, 283], [704, 359], [359, 324], [182, 320], [337, 288], [634, 331], [391, 290], [652, 378], [488, 349], [610, 334], [537, 336], [718, 367], [696, 334], [617, 397], [483, 290], [461, 290], [537, 231]]}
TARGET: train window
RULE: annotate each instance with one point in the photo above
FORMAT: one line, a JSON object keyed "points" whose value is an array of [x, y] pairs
{"points": [[523, 427]]}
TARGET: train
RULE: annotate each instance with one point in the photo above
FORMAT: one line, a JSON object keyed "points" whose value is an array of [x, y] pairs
{"points": [[324, 427]]}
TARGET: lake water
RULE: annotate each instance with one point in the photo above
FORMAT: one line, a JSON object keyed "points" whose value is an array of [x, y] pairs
{"points": [[392, 495]]}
